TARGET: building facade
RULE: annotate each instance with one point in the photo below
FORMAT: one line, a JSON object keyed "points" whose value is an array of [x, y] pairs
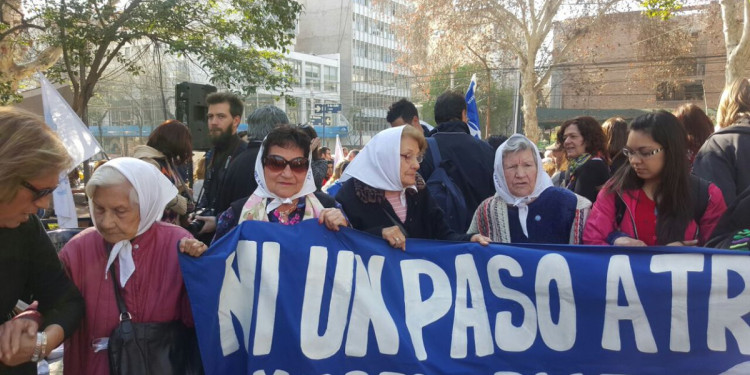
{"points": [[362, 33]]}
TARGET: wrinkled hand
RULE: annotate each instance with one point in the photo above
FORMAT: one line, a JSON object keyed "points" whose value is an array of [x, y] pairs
{"points": [[333, 219], [684, 243], [192, 247], [209, 226], [395, 237], [484, 241], [627, 241], [15, 336]]}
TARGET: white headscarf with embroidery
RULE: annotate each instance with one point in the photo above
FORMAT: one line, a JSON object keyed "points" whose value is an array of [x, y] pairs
{"points": [[154, 191], [379, 163], [543, 181]]}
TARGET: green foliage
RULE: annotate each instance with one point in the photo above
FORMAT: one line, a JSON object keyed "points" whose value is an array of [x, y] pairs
{"points": [[501, 99], [662, 9], [238, 42], [8, 95]]}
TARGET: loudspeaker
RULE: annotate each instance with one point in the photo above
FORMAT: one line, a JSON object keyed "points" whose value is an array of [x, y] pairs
{"points": [[191, 109]]}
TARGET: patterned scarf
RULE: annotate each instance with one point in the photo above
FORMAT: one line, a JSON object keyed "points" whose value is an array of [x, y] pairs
{"points": [[255, 208], [573, 165]]}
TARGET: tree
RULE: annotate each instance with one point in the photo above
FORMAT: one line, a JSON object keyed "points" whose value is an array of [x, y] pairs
{"points": [[18, 60], [491, 31], [735, 15], [238, 42]]}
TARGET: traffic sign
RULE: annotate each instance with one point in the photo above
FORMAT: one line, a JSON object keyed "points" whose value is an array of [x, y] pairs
{"points": [[327, 108]]}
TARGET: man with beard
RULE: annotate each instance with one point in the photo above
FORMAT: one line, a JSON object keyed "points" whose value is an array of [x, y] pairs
{"points": [[224, 115]]}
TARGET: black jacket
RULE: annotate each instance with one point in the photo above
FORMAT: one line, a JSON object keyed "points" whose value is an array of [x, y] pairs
{"points": [[468, 161], [239, 181], [736, 219], [218, 163], [368, 210], [724, 160], [589, 179]]}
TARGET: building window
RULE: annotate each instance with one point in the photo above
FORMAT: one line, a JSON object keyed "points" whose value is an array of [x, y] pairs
{"points": [[666, 91], [312, 76], [331, 78], [296, 72]]}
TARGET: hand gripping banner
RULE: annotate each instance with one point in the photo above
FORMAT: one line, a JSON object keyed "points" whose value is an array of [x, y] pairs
{"points": [[271, 299]]}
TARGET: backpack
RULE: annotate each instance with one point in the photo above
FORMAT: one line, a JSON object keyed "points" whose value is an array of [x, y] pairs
{"points": [[698, 189], [446, 193]]}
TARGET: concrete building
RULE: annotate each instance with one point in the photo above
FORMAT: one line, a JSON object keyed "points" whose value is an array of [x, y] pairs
{"points": [[634, 62], [361, 33]]}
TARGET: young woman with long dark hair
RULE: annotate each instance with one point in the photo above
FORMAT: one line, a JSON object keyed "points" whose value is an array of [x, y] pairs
{"points": [[653, 200]]}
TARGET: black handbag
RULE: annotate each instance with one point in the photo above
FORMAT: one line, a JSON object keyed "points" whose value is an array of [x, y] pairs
{"points": [[151, 348]]}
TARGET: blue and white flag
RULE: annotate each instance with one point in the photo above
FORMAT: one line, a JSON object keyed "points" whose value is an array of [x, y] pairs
{"points": [[79, 141], [471, 108], [274, 299]]}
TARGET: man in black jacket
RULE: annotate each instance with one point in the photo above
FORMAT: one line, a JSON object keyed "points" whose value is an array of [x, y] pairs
{"points": [[468, 161], [404, 112], [224, 115]]}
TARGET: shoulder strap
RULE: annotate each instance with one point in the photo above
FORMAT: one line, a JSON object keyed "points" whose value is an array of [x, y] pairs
{"points": [[124, 314], [434, 151]]}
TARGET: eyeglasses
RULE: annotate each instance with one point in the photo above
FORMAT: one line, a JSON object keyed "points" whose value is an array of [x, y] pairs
{"points": [[408, 158], [277, 164], [37, 194], [641, 154]]}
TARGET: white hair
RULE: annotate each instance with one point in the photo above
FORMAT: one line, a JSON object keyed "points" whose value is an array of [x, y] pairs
{"points": [[516, 144], [108, 177]]}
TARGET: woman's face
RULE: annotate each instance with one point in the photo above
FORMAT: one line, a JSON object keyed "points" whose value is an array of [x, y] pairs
{"points": [[17, 211], [520, 171], [115, 217], [284, 182], [409, 163], [646, 156], [573, 142]]}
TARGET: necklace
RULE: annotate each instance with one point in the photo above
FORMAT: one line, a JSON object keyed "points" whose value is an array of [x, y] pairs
{"points": [[283, 215]]}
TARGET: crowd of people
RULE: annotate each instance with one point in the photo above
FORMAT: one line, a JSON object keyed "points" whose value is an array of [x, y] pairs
{"points": [[662, 179]]}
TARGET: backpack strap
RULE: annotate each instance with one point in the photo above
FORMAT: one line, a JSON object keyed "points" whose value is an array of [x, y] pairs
{"points": [[619, 209], [434, 151], [699, 190]]}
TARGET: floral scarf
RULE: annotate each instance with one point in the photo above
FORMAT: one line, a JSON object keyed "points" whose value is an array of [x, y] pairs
{"points": [[573, 165], [255, 208]]}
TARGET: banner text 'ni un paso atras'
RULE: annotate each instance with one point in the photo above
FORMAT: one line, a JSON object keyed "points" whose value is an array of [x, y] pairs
{"points": [[270, 299]]}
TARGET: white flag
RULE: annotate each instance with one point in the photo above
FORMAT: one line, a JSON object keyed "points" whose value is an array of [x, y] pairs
{"points": [[79, 141], [338, 152]]}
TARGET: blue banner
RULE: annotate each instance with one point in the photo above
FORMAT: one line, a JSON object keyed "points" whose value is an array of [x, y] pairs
{"points": [[272, 299], [471, 108]]}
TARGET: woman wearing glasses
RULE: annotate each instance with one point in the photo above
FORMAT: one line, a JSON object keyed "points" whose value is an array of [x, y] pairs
{"points": [[383, 194], [31, 159], [653, 200], [286, 192]]}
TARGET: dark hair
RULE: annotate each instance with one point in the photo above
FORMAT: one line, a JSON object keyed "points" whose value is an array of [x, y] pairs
{"points": [[404, 109], [593, 136], [449, 106], [235, 103], [673, 199], [172, 138], [286, 137], [697, 125], [355, 151], [323, 150], [310, 131], [496, 140], [616, 134]]}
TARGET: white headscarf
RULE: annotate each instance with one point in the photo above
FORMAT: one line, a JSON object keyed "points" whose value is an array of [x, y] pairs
{"points": [[154, 191], [543, 181], [379, 163], [276, 201]]}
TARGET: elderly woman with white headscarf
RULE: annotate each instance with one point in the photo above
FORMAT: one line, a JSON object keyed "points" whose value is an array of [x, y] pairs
{"points": [[527, 208], [286, 192], [127, 198], [383, 194]]}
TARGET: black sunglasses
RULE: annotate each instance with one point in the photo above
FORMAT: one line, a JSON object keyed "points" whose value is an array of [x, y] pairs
{"points": [[37, 194], [276, 163]]}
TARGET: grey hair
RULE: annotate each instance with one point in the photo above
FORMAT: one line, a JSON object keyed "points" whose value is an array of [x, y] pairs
{"points": [[516, 144], [265, 119], [108, 177]]}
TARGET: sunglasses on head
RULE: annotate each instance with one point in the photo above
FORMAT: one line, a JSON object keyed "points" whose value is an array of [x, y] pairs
{"points": [[37, 193], [276, 163]]}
